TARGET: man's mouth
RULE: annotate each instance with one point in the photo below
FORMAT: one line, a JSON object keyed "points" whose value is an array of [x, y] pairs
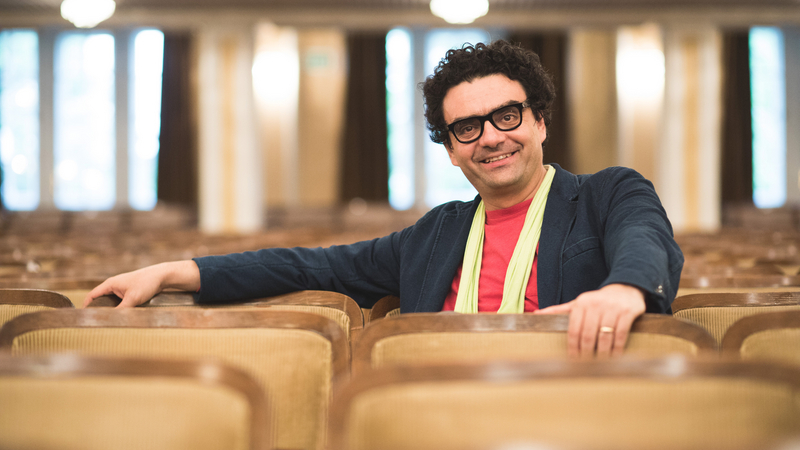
{"points": [[497, 158]]}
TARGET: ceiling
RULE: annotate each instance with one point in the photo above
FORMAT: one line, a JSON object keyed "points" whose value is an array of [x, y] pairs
{"points": [[387, 13]]}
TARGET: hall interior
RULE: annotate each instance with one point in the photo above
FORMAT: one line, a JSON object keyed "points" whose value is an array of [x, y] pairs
{"points": [[283, 123]]}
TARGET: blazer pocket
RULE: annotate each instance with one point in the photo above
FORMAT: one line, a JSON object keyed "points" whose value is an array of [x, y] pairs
{"points": [[582, 246]]}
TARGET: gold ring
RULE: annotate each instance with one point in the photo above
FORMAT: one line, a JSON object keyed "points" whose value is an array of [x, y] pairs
{"points": [[606, 329]]}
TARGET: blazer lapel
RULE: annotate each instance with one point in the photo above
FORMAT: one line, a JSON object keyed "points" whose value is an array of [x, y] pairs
{"points": [[446, 258], [559, 215]]}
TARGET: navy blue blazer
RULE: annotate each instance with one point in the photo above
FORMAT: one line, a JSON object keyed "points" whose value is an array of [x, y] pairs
{"points": [[598, 229]]}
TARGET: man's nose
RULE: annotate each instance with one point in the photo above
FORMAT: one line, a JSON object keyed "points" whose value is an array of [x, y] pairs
{"points": [[491, 135]]}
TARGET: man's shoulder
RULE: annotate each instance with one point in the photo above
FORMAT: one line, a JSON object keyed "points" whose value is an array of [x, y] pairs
{"points": [[451, 209]]}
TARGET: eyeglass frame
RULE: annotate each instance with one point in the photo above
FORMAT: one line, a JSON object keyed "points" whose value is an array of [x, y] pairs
{"points": [[488, 117]]}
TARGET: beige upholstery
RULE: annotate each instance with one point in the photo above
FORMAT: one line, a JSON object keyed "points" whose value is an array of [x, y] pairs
{"points": [[717, 319], [16, 302], [613, 414], [445, 411], [125, 411], [778, 344], [453, 347], [294, 366], [337, 315], [338, 307], [393, 313], [88, 413], [76, 296], [8, 312], [417, 339]]}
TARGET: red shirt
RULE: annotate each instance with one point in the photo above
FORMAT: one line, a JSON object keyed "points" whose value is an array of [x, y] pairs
{"points": [[502, 230]]}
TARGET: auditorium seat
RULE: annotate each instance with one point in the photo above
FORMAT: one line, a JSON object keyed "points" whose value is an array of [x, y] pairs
{"points": [[668, 403], [388, 306], [445, 338], [15, 302], [337, 307], [293, 355], [771, 336], [711, 284], [717, 312], [72, 402]]}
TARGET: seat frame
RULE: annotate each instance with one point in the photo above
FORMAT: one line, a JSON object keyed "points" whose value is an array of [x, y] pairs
{"points": [[209, 372], [672, 367], [746, 326], [34, 297], [490, 322], [327, 299], [200, 318], [742, 299]]}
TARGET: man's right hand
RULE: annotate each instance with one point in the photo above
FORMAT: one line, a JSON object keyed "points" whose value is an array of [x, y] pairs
{"points": [[139, 286]]}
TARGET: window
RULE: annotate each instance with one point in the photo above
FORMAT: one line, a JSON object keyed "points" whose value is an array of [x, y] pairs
{"points": [[84, 118], [443, 181], [768, 97], [19, 118], [145, 123], [85, 112]]}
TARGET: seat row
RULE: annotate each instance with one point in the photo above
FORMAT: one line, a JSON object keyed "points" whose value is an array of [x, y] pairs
{"points": [[301, 360]]}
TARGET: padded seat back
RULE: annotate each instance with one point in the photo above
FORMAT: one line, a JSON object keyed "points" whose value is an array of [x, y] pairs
{"points": [[294, 356], [417, 339], [773, 336], [16, 302], [629, 404], [717, 312], [88, 403]]}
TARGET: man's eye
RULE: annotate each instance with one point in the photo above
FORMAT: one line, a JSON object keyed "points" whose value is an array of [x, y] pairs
{"points": [[466, 128], [509, 117]]}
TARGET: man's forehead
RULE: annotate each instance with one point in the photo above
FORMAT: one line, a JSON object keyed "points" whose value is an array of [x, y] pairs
{"points": [[481, 96]]}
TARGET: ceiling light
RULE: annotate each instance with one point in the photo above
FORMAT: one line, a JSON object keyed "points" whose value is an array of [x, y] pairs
{"points": [[459, 11], [87, 13]]}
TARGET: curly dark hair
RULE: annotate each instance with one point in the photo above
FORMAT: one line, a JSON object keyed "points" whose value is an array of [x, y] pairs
{"points": [[472, 62]]}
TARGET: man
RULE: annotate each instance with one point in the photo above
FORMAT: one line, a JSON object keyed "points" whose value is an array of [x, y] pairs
{"points": [[537, 238]]}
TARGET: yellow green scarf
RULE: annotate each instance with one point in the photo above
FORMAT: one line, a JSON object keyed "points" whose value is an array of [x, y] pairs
{"points": [[519, 268]]}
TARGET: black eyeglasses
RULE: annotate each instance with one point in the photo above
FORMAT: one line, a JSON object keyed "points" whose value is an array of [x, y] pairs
{"points": [[507, 118]]}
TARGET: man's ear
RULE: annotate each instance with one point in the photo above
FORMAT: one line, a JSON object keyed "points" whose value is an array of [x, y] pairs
{"points": [[542, 128]]}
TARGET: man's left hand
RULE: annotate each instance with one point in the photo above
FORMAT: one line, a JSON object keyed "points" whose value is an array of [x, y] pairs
{"points": [[600, 320]]}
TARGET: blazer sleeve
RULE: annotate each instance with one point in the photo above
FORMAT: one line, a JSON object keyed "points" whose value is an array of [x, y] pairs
{"points": [[365, 271], [639, 247]]}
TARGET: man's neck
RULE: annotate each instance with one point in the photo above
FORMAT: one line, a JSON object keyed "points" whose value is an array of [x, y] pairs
{"points": [[503, 201]]}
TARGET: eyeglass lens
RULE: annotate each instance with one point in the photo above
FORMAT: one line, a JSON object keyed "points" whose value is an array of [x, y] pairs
{"points": [[504, 119]]}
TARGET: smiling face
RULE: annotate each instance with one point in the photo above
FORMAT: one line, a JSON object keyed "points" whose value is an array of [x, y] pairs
{"points": [[505, 167]]}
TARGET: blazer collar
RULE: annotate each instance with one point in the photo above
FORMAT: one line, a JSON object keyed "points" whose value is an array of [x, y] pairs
{"points": [[559, 215]]}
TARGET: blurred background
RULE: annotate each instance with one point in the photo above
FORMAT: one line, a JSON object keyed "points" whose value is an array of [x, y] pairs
{"points": [[234, 118]]}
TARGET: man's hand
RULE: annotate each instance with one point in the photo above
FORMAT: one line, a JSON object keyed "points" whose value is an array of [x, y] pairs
{"points": [[137, 287], [600, 320]]}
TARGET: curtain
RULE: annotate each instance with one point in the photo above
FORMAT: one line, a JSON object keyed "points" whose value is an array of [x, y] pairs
{"points": [[177, 158], [737, 134], [365, 152], [551, 48]]}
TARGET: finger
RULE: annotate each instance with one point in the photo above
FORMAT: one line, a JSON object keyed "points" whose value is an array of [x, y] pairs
{"points": [[588, 340], [606, 334], [624, 324], [564, 308], [129, 300], [574, 332], [102, 289]]}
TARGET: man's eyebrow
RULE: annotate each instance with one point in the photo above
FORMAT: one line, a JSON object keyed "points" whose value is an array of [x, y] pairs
{"points": [[500, 106]]}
